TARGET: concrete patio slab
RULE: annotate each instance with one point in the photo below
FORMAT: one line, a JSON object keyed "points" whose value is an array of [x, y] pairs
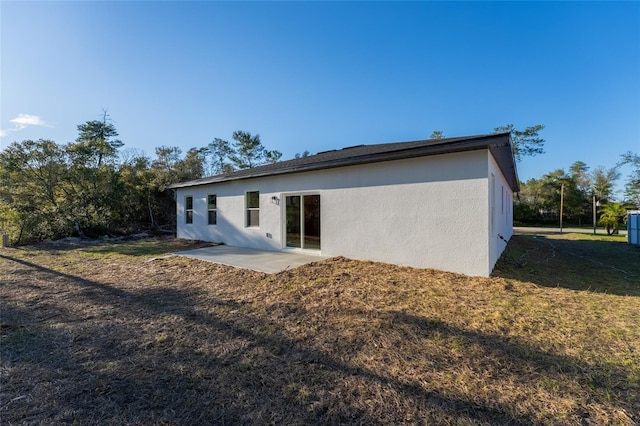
{"points": [[270, 262]]}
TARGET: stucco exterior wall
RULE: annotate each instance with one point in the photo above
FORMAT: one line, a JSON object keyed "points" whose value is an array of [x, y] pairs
{"points": [[501, 206], [429, 212]]}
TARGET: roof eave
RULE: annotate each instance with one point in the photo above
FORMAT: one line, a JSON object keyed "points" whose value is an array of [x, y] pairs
{"points": [[501, 150], [504, 156]]}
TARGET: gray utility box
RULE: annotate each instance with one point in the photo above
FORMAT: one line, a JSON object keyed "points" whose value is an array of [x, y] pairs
{"points": [[633, 227]]}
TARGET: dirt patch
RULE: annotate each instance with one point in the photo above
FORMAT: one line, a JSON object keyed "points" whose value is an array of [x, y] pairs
{"points": [[96, 335]]}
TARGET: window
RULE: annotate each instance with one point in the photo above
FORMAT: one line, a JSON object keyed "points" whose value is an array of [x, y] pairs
{"points": [[188, 209], [253, 209], [212, 210]]}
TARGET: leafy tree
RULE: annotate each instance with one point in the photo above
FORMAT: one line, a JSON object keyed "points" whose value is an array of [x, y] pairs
{"points": [[144, 198], [632, 192], [579, 173], [92, 182], [611, 216], [137, 199], [31, 177], [552, 184], [526, 142], [249, 151], [531, 192], [632, 187], [130, 156], [219, 151], [437, 134], [88, 186], [10, 222], [96, 141], [191, 167], [39, 163], [603, 181], [166, 158], [539, 199], [273, 156], [528, 203], [169, 167], [163, 166]]}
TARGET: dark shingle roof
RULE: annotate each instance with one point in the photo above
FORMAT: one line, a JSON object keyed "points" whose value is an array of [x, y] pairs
{"points": [[499, 145]]}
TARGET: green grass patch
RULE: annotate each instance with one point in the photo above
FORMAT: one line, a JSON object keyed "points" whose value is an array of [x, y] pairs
{"points": [[598, 263], [146, 248]]}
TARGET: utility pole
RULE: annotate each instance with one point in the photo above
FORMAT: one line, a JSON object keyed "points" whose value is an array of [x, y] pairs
{"points": [[594, 215], [561, 205]]}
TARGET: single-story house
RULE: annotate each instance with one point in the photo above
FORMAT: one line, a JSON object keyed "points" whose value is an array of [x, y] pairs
{"points": [[444, 204]]}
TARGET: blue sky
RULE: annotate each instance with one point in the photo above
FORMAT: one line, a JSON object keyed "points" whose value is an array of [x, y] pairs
{"points": [[326, 75]]}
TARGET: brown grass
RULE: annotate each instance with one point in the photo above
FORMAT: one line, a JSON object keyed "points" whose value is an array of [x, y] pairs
{"points": [[96, 335]]}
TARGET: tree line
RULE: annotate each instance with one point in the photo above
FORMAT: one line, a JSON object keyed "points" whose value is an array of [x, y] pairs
{"points": [[577, 189], [580, 188], [92, 187]]}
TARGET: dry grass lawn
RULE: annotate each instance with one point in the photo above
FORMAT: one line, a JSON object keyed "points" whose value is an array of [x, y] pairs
{"points": [[97, 335]]}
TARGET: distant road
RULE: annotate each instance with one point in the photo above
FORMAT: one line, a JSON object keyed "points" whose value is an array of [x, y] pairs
{"points": [[537, 229]]}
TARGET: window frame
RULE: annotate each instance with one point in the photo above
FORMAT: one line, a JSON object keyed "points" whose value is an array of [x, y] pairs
{"points": [[248, 210], [213, 210], [188, 212]]}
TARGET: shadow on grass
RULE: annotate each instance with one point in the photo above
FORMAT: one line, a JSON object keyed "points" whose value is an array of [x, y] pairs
{"points": [[144, 247], [234, 368], [518, 358], [557, 260]]}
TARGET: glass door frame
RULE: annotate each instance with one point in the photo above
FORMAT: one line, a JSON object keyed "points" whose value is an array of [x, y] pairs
{"points": [[283, 197]]}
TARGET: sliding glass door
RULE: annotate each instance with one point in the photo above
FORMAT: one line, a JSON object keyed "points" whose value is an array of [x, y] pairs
{"points": [[303, 221], [294, 222]]}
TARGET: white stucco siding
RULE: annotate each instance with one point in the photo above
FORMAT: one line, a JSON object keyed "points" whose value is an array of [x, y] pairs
{"points": [[429, 225], [502, 202], [429, 212], [231, 227]]}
